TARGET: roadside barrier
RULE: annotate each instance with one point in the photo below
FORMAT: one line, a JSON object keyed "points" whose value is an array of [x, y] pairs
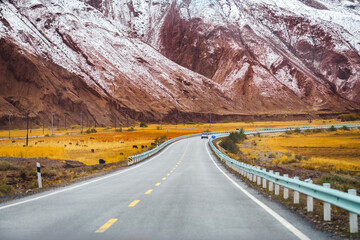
{"points": [[142, 156], [347, 201]]}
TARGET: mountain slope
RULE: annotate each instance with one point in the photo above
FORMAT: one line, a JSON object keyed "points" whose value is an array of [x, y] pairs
{"points": [[160, 57], [116, 66]]}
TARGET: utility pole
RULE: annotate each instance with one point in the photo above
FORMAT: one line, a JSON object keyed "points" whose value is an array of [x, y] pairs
{"points": [[210, 119], [81, 119], [160, 121], [27, 128], [52, 124], [43, 126], [65, 122], [9, 125], [30, 124], [115, 123]]}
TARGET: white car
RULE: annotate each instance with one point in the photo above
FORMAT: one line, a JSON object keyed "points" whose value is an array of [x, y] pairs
{"points": [[204, 135]]}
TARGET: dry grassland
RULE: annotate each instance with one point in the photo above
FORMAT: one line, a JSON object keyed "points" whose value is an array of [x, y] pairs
{"points": [[326, 151], [110, 145]]}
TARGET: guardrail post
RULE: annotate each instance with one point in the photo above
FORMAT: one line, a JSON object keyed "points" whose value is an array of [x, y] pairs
{"points": [[286, 190], [258, 178], [296, 194], [271, 184], [327, 206], [353, 218], [264, 180], [310, 201], [277, 187], [254, 176]]}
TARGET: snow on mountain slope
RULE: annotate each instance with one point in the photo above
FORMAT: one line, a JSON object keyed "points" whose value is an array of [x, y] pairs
{"points": [[80, 39], [223, 56], [310, 47]]}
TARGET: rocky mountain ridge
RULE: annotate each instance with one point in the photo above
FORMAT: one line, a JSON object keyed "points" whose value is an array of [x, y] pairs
{"points": [[153, 58]]}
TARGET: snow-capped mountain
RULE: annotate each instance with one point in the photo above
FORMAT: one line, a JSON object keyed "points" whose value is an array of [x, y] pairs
{"points": [[152, 57]]}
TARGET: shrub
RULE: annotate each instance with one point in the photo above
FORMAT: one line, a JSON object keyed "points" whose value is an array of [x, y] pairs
{"points": [[143, 124], [349, 117], [297, 130], [159, 140], [190, 123], [131, 129], [90, 130], [5, 166], [237, 137], [229, 145], [332, 129], [345, 128], [5, 189]]}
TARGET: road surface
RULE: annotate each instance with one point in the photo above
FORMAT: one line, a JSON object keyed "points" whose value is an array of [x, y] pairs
{"points": [[181, 193]]}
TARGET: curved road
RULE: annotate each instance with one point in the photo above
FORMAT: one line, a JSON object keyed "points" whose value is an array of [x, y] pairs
{"points": [[181, 193]]}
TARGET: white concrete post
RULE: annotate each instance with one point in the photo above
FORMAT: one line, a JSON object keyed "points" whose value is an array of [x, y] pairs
{"points": [[254, 178], [353, 217], [277, 187], [296, 194], [271, 185], [327, 206], [258, 180], [264, 180], [286, 190], [39, 174], [310, 202]]}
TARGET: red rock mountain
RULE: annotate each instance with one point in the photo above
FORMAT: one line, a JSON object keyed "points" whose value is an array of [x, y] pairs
{"points": [[177, 59]]}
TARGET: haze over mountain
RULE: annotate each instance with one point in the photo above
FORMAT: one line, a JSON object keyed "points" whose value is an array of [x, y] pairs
{"points": [[149, 59]]}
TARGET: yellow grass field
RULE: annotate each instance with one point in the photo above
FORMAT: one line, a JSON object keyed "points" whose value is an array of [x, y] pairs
{"points": [[325, 151], [114, 146]]}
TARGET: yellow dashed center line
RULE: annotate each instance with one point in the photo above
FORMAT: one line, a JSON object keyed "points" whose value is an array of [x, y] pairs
{"points": [[148, 191], [158, 184], [171, 171], [133, 203], [108, 224], [168, 174], [164, 178]]}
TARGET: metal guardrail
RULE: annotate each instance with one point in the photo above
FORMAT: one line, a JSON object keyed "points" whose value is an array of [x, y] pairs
{"points": [[142, 156], [346, 201], [332, 196]]}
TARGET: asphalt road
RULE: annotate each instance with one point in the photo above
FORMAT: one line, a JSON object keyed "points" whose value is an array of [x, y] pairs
{"points": [[182, 193]]}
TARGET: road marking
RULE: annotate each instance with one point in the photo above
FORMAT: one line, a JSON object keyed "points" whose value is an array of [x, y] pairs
{"points": [[108, 224], [174, 168], [148, 191], [158, 184], [282, 220], [171, 171], [86, 183], [168, 174], [133, 203], [164, 178]]}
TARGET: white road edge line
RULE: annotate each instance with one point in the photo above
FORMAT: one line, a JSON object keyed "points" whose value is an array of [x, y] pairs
{"points": [[282, 220], [84, 184]]}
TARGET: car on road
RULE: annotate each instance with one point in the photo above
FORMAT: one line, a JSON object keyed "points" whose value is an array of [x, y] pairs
{"points": [[204, 135]]}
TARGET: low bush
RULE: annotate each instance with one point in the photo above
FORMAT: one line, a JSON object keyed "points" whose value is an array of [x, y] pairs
{"points": [[229, 145], [5, 189], [332, 129], [6, 166], [90, 130], [143, 125]]}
